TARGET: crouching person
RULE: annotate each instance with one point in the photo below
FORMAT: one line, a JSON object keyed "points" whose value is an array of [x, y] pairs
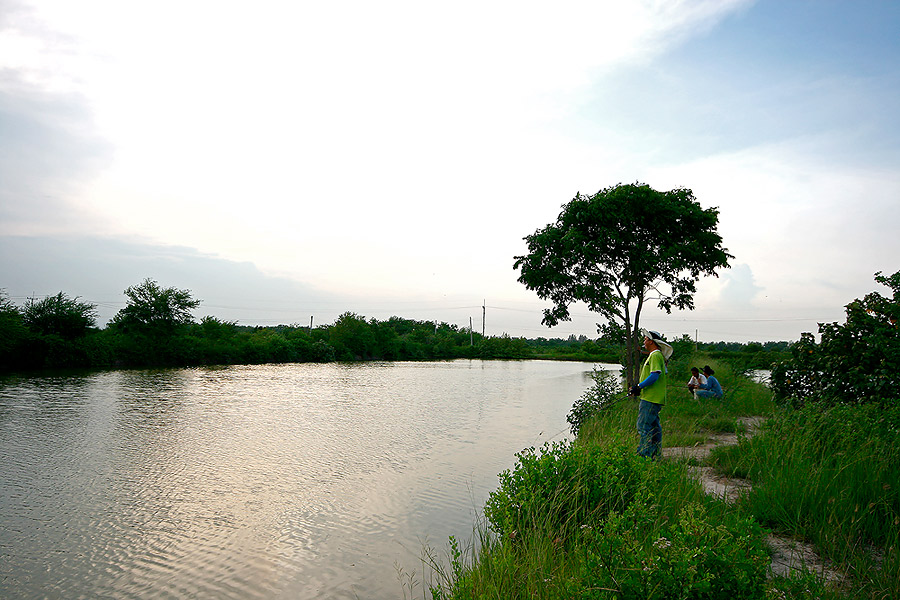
{"points": [[712, 388]]}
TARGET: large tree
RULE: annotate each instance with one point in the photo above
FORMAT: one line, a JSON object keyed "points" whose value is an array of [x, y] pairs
{"points": [[155, 310], [60, 315], [620, 248]]}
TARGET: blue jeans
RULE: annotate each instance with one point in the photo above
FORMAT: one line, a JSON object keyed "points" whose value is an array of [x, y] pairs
{"points": [[650, 428]]}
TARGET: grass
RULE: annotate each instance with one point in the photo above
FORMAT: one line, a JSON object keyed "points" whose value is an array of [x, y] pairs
{"points": [[592, 520], [830, 476]]}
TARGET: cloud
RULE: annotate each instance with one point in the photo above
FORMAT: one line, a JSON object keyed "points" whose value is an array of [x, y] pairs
{"points": [[739, 289], [402, 150], [99, 270], [348, 133], [47, 156]]}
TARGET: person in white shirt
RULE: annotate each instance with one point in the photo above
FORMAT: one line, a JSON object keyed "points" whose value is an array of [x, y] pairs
{"points": [[697, 379]]}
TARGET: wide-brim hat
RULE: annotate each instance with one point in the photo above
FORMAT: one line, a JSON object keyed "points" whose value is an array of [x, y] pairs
{"points": [[663, 345]]}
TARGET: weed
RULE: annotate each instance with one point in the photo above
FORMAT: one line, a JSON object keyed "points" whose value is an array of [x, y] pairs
{"points": [[589, 519]]}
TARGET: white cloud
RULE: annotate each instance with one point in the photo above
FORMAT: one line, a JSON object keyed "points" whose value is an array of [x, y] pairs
{"points": [[811, 232], [402, 148], [347, 133]]}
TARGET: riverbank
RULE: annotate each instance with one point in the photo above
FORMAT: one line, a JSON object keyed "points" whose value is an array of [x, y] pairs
{"points": [[591, 520], [214, 343]]}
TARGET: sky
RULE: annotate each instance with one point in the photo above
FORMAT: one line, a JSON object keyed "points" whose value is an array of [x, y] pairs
{"points": [[291, 161]]}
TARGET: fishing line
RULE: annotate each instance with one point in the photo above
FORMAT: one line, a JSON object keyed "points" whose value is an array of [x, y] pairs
{"points": [[550, 439]]}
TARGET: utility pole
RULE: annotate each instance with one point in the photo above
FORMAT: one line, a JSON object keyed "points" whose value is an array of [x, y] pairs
{"points": [[471, 336], [310, 324], [483, 315]]}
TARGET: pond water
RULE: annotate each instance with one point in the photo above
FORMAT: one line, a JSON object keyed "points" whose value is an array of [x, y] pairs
{"points": [[274, 481], [762, 376]]}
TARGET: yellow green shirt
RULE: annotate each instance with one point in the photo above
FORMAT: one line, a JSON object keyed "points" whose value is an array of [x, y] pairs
{"points": [[655, 393]]}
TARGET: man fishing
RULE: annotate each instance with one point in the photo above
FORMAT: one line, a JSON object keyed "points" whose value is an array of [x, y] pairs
{"points": [[652, 392]]}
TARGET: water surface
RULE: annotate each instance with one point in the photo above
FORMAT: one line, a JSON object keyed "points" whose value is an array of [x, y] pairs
{"points": [[273, 481]]}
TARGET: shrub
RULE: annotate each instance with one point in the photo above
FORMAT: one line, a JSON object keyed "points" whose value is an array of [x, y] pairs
{"points": [[606, 391], [563, 485], [603, 524], [856, 362], [59, 316], [698, 555]]}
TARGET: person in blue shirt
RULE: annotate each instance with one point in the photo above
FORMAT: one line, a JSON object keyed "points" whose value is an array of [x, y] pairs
{"points": [[712, 388]]}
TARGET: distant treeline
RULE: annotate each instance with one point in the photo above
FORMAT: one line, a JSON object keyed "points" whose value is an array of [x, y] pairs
{"points": [[156, 328]]}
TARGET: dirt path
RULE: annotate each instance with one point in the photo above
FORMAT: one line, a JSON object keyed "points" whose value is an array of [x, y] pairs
{"points": [[788, 556]]}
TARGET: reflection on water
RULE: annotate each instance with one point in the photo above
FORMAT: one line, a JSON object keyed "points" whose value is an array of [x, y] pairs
{"points": [[274, 481], [762, 376]]}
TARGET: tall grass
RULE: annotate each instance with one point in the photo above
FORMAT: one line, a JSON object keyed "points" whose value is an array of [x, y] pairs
{"points": [[830, 475], [590, 519], [687, 421], [613, 525]]}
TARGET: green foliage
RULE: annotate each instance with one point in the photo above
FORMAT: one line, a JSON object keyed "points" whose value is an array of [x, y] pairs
{"points": [[606, 390], [503, 346], [829, 474], [617, 249], [563, 485], [59, 315], [352, 337], [154, 310], [751, 347], [12, 332], [699, 554], [682, 347], [611, 333], [598, 522], [579, 348], [856, 362]]}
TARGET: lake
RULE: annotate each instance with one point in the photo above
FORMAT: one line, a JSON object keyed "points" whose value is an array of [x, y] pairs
{"points": [[274, 481]]}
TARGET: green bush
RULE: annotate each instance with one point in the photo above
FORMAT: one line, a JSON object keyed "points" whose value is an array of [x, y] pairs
{"points": [[856, 362], [583, 521], [562, 486], [698, 555], [606, 391], [60, 316]]}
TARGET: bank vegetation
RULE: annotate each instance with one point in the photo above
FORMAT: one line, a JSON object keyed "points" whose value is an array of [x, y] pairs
{"points": [[590, 519], [156, 328]]}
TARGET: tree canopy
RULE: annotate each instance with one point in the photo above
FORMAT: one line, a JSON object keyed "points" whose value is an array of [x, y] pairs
{"points": [[619, 248], [12, 330], [153, 309], [856, 362], [60, 315]]}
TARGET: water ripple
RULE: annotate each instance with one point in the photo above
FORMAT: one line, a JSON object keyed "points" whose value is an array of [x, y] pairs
{"points": [[273, 481]]}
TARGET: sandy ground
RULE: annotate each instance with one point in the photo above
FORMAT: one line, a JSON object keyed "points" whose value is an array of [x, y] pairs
{"points": [[788, 555]]}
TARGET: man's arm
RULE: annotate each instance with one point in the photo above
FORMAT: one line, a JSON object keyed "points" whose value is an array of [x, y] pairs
{"points": [[650, 380]]}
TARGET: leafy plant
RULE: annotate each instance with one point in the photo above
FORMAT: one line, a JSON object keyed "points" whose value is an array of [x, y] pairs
{"points": [[697, 555], [606, 391], [59, 315], [856, 362], [154, 310], [563, 485], [12, 330]]}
